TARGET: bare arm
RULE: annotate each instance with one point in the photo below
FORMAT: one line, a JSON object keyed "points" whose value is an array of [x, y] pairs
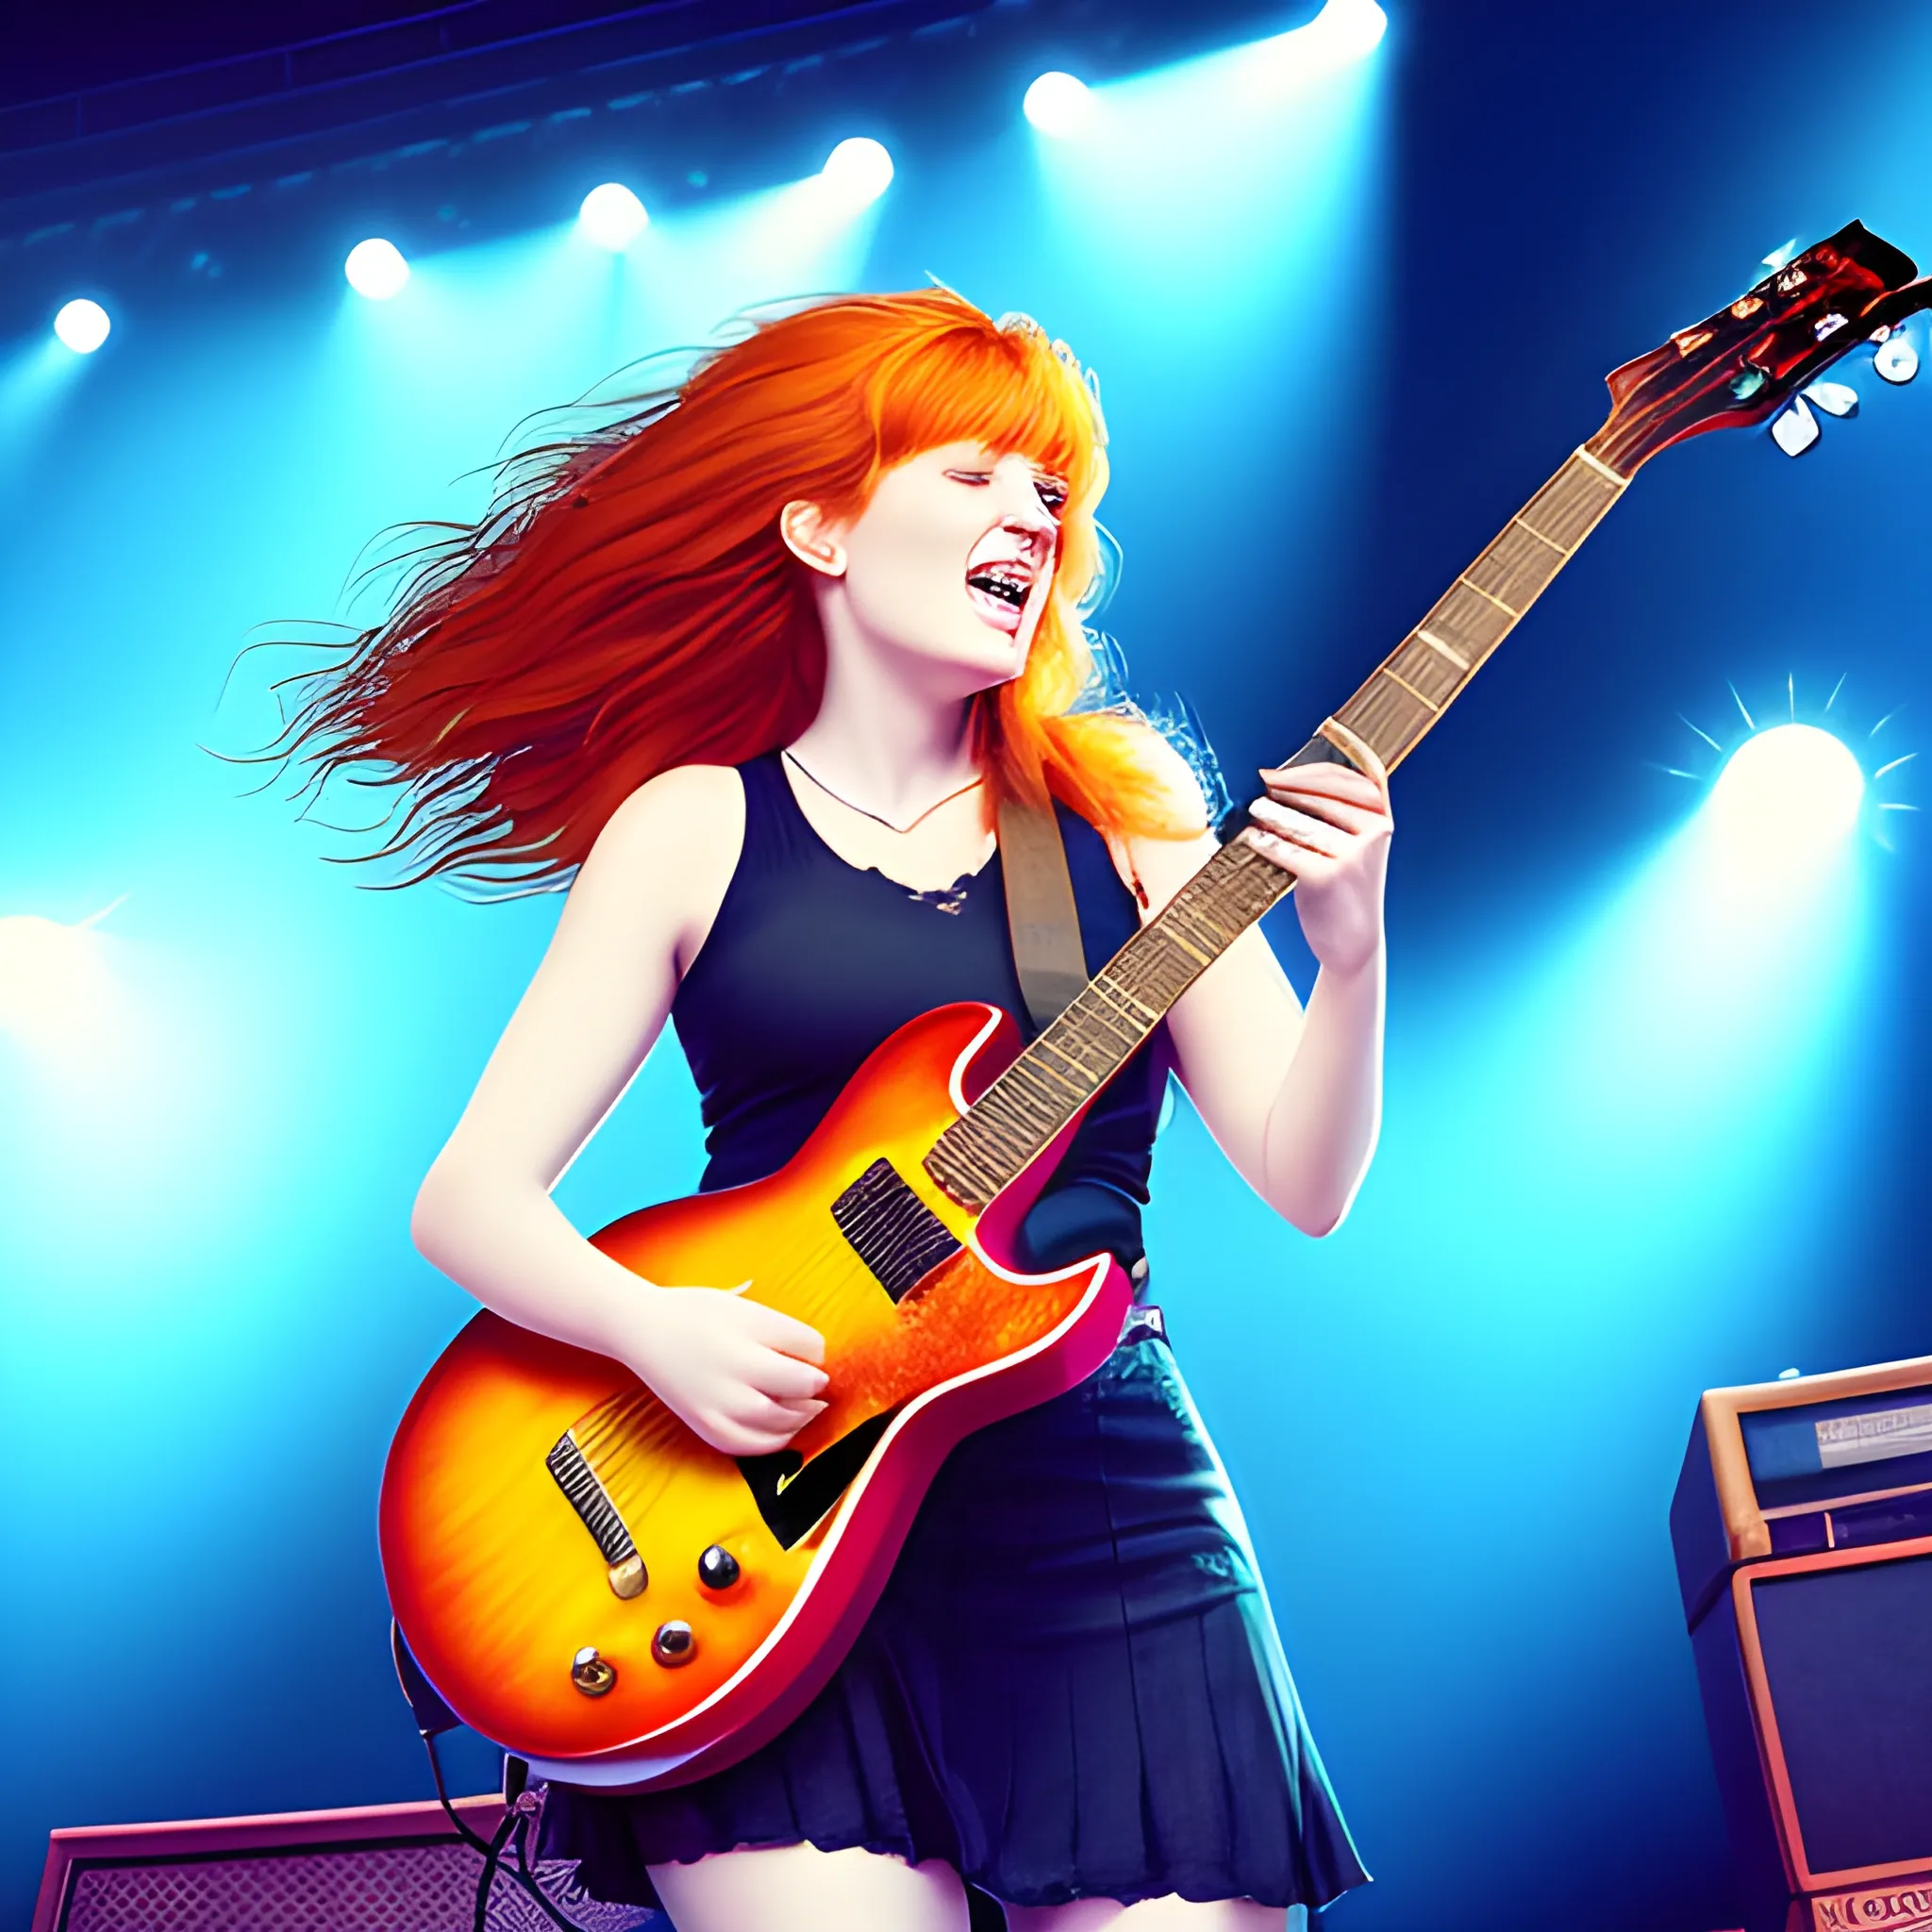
{"points": [[1295, 1098], [740, 1375]]}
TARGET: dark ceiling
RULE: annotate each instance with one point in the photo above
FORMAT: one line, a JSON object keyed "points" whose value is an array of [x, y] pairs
{"points": [[92, 43]]}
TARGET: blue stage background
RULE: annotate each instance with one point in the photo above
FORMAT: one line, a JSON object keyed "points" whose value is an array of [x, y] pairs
{"points": [[1634, 1147]]}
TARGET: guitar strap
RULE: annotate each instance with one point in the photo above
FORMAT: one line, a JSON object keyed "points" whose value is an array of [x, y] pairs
{"points": [[1041, 910]]}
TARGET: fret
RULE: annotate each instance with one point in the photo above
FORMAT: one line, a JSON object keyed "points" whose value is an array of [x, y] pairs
{"points": [[1569, 506], [1508, 611], [1387, 717], [1516, 569], [1019, 1115], [1428, 670], [1597, 463], [1386, 672], [1436, 644], [1475, 625]]}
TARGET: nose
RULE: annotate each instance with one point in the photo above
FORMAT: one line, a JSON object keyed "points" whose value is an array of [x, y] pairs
{"points": [[1021, 511]]}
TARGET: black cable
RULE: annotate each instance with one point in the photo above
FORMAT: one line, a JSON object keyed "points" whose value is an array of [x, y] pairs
{"points": [[514, 1829], [521, 1845], [475, 1839], [486, 1881]]}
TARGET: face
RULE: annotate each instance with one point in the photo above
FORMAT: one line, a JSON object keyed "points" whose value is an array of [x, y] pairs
{"points": [[951, 561]]}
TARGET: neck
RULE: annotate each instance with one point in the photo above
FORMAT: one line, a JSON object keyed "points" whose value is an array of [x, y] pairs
{"points": [[882, 739]]}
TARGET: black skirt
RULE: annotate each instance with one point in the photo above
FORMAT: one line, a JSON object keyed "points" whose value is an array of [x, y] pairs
{"points": [[1071, 1687]]}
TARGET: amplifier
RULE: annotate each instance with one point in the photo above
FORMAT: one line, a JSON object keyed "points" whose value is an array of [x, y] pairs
{"points": [[375, 1868], [1803, 1530]]}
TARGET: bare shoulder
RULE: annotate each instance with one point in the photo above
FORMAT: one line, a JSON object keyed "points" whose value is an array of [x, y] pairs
{"points": [[689, 813], [669, 852]]}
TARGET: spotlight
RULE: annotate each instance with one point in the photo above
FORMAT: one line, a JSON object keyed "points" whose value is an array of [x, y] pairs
{"points": [[1059, 105], [83, 326], [1343, 33], [375, 267], [1793, 790], [612, 216], [858, 169], [1348, 29]]}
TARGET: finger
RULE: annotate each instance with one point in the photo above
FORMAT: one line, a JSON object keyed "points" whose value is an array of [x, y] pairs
{"points": [[1311, 868], [1299, 827], [751, 1410], [1325, 781], [1351, 821], [787, 1334], [784, 1377], [732, 1439], [1295, 859]]}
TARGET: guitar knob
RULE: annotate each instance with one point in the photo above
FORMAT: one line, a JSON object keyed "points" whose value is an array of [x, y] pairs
{"points": [[718, 1568], [1897, 359], [1794, 429], [591, 1673], [674, 1644]]}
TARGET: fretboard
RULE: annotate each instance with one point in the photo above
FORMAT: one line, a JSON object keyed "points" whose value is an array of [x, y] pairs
{"points": [[1019, 1115]]}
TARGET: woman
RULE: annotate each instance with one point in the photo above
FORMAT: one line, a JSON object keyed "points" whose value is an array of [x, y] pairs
{"points": [[754, 667]]}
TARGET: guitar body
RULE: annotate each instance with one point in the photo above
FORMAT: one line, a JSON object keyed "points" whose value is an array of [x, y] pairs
{"points": [[498, 1554]]}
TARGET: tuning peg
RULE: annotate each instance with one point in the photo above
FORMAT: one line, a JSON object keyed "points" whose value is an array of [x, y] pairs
{"points": [[1833, 398], [1897, 359], [1794, 429]]}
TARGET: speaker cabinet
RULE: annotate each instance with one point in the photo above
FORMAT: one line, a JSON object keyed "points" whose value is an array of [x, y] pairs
{"points": [[1803, 1527], [376, 1868]]}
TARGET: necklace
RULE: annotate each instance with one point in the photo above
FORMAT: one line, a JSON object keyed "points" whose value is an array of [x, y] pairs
{"points": [[912, 824]]}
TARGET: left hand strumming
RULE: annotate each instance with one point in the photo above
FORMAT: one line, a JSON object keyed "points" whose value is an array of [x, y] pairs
{"points": [[1330, 826]]}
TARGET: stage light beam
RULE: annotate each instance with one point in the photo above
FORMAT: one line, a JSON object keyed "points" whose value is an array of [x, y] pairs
{"points": [[612, 217], [1059, 105], [83, 326], [375, 267], [858, 171]]}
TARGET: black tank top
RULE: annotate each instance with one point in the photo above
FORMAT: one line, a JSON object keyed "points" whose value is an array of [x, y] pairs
{"points": [[811, 963]]}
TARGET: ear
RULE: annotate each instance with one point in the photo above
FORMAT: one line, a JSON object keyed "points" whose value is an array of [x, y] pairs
{"points": [[808, 534]]}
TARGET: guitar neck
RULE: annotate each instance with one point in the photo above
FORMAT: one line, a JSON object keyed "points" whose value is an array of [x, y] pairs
{"points": [[1018, 1116]]}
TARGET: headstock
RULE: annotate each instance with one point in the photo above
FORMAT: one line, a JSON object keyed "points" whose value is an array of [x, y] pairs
{"points": [[1746, 363]]}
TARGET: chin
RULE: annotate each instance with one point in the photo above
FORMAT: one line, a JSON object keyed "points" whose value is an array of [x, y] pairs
{"points": [[986, 660]]}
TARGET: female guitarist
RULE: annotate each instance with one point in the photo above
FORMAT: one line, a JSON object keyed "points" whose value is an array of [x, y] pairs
{"points": [[753, 669]]}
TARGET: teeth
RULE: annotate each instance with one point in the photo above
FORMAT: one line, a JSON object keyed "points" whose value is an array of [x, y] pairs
{"points": [[1001, 584]]}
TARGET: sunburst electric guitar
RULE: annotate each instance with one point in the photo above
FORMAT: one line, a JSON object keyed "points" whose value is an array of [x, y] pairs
{"points": [[590, 1586]]}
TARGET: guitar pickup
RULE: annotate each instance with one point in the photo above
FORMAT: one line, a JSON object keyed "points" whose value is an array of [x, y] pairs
{"points": [[892, 1230]]}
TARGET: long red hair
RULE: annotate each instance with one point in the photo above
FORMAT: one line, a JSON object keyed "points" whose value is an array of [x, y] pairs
{"points": [[627, 604]]}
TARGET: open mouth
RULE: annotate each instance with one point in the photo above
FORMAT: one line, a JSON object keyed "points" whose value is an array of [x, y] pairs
{"points": [[998, 582]]}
